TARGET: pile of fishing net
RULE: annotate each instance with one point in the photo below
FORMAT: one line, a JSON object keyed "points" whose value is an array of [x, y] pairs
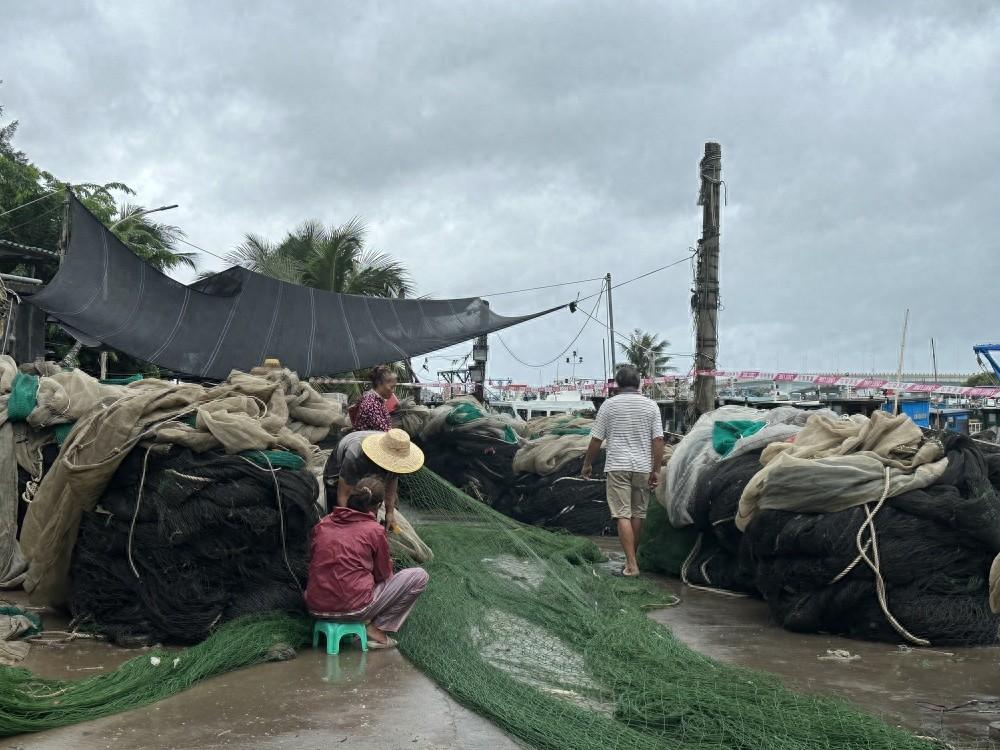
{"points": [[535, 481], [411, 417], [267, 410], [473, 448], [526, 628], [182, 542], [558, 424], [914, 566], [857, 526], [549, 491]]}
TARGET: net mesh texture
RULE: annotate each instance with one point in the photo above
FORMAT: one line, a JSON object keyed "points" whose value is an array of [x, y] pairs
{"points": [[524, 627]]}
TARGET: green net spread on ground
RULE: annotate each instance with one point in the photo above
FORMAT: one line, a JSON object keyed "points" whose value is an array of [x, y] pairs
{"points": [[521, 626], [31, 704]]}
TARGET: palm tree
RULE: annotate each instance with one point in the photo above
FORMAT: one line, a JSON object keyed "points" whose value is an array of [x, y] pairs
{"points": [[264, 257], [645, 352], [335, 260], [150, 240]]}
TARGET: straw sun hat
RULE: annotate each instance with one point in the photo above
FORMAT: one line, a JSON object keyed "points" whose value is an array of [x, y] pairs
{"points": [[393, 451]]}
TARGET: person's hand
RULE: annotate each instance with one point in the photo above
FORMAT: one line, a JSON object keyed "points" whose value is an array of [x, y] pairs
{"points": [[654, 479], [390, 521], [586, 471]]}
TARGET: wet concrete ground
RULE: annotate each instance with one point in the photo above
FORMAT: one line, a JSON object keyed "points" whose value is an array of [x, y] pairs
{"points": [[378, 700], [371, 701], [949, 693]]}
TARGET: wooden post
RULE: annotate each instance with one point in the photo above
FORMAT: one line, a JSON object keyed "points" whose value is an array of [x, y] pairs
{"points": [[899, 370], [611, 326], [64, 235], [705, 302]]}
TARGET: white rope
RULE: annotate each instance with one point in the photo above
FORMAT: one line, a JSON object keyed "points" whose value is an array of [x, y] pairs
{"points": [[687, 564], [135, 516], [281, 520], [873, 561]]}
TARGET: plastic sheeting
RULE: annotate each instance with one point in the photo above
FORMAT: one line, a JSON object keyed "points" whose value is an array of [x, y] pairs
{"points": [[236, 319]]}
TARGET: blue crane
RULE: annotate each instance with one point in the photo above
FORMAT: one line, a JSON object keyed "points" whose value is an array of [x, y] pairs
{"points": [[986, 350]]}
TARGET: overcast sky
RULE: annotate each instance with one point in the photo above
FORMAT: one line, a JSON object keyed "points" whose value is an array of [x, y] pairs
{"points": [[497, 146]]}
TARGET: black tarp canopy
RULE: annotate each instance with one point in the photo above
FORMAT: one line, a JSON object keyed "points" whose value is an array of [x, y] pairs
{"points": [[237, 318]]}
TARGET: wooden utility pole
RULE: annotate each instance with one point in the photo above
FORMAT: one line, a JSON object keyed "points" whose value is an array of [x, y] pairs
{"points": [[64, 234], [611, 326], [705, 301]]}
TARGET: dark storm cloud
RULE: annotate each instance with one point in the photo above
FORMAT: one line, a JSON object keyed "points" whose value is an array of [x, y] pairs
{"points": [[496, 146]]}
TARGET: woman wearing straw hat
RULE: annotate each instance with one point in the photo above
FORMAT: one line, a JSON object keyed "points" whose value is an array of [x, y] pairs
{"points": [[385, 455]]}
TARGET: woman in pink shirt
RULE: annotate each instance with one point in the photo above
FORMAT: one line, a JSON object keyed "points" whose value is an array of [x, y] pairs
{"points": [[350, 570], [373, 411]]}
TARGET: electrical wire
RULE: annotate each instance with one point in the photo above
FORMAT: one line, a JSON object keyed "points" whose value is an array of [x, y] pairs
{"points": [[568, 346], [38, 217], [628, 340], [208, 252], [547, 286], [644, 275], [24, 205]]}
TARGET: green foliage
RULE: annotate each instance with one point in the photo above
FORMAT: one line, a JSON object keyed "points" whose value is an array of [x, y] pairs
{"points": [[982, 379], [40, 223], [645, 352], [335, 260]]}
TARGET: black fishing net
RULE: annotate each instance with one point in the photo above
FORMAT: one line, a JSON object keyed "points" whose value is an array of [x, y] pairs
{"points": [[934, 546], [214, 537], [716, 560], [482, 466], [563, 500]]}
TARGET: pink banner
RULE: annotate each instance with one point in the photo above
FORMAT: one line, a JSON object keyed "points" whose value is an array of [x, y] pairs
{"points": [[871, 383], [922, 388], [786, 377], [851, 382], [825, 379], [749, 375]]}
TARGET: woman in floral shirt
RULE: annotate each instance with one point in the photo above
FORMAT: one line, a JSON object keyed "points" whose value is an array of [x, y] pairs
{"points": [[373, 411]]}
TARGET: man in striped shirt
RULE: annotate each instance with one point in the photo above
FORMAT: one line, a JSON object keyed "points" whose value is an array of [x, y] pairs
{"points": [[631, 425]]}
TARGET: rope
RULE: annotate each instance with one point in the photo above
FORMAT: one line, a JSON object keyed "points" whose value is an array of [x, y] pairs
{"points": [[687, 564], [135, 516], [281, 521], [874, 563]]}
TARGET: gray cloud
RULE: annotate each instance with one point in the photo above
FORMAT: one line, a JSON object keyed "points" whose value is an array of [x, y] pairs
{"points": [[495, 146]]}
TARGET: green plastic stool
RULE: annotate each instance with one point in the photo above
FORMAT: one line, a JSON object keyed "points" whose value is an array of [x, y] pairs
{"points": [[334, 631]]}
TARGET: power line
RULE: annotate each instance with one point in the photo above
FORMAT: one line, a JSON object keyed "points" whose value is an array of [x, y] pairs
{"points": [[547, 286], [642, 276], [628, 340], [38, 217], [568, 346], [209, 252], [23, 205]]}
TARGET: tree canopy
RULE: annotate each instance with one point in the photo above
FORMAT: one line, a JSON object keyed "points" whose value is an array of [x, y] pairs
{"points": [[37, 197], [335, 260], [982, 379], [645, 352]]}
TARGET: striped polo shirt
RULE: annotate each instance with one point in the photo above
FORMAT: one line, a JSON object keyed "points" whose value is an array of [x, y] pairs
{"points": [[628, 422]]}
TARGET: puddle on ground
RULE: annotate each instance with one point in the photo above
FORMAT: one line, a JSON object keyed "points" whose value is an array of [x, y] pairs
{"points": [[534, 657]]}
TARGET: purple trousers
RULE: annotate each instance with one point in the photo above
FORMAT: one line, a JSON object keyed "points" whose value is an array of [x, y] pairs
{"points": [[391, 604]]}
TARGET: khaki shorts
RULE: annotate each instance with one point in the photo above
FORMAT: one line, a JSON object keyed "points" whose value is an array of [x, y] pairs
{"points": [[628, 493]]}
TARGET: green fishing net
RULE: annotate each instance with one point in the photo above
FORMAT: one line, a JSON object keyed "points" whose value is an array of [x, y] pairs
{"points": [[523, 626], [527, 628]]}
